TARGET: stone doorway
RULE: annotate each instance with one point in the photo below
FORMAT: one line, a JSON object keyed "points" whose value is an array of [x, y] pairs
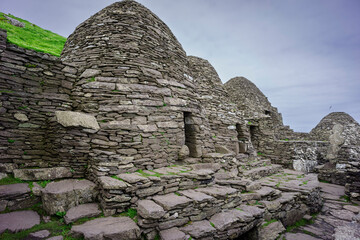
{"points": [[254, 136], [241, 137], [190, 134]]}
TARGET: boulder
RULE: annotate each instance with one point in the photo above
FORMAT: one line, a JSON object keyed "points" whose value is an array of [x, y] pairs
{"points": [[76, 119], [63, 195], [107, 228], [18, 221], [43, 173]]}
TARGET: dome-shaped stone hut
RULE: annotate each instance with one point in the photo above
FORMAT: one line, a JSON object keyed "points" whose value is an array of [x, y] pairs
{"points": [[228, 129], [343, 134], [133, 78], [249, 98]]}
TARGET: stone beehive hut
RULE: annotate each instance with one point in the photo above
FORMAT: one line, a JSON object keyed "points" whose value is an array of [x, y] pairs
{"points": [[133, 78]]}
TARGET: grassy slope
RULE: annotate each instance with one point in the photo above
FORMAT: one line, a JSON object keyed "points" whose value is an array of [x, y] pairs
{"points": [[33, 37]]}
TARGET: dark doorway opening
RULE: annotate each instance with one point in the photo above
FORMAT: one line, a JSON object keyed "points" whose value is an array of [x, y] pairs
{"points": [[242, 145], [190, 133], [254, 136]]}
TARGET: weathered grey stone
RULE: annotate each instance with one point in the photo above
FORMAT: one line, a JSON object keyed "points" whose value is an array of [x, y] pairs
{"points": [[43, 173], [133, 178], [40, 234], [352, 208], [3, 175], [81, 211], [13, 190], [21, 117], [173, 223], [28, 125], [76, 119], [3, 205], [99, 85], [223, 220], [172, 234], [56, 238], [217, 191], [107, 228], [88, 73], [222, 149], [299, 236], [63, 195], [18, 221], [112, 183], [149, 191], [350, 231], [342, 214], [14, 22], [271, 231], [172, 201], [148, 128], [149, 209], [253, 210], [199, 229], [184, 152], [196, 196]]}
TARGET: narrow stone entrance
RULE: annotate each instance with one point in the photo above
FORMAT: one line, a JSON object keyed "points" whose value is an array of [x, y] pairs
{"points": [[254, 136], [190, 134], [242, 145]]}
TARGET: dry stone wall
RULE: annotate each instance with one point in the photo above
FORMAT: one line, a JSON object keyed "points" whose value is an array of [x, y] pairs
{"points": [[33, 86]]}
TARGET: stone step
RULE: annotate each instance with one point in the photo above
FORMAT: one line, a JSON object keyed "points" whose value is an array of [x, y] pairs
{"points": [[107, 228], [81, 211], [248, 165], [18, 221], [288, 208], [43, 173], [223, 225], [63, 195], [16, 196], [260, 172]]}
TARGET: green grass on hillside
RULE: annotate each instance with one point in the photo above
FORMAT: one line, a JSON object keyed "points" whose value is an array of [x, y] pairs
{"points": [[32, 36]]}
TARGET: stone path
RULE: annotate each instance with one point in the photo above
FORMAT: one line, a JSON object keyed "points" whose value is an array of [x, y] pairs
{"points": [[18, 221], [107, 228], [337, 219]]}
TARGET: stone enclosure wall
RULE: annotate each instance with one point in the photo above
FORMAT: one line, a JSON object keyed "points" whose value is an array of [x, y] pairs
{"points": [[33, 86]]}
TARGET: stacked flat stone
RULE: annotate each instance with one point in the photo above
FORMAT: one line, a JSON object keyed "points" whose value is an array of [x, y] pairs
{"points": [[123, 190], [16, 196]]}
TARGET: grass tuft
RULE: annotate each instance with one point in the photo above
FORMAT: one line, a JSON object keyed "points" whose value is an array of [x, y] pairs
{"points": [[32, 36], [10, 180], [267, 223]]}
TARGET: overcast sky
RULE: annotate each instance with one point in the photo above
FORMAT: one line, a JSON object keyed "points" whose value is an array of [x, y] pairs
{"points": [[303, 55]]}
